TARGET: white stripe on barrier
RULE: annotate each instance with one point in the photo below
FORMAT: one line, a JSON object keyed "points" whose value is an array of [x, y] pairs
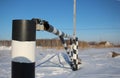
{"points": [[60, 33], [74, 56], [77, 61], [65, 45], [55, 30], [22, 50], [74, 47]]}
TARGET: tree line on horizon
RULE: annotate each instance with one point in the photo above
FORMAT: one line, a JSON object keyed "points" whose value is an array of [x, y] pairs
{"points": [[56, 43]]}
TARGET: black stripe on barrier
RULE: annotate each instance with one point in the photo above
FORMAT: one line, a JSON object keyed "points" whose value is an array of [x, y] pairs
{"points": [[62, 40], [57, 33], [24, 30], [23, 70]]}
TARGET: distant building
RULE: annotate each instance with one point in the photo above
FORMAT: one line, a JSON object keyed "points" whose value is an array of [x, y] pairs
{"points": [[105, 44]]}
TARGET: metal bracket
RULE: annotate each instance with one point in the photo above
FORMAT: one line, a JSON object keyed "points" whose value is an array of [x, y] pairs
{"points": [[39, 27]]}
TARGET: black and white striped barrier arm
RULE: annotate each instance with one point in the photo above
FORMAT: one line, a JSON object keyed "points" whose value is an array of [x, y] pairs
{"points": [[71, 49], [44, 25], [23, 48], [74, 54], [78, 59], [55, 31], [65, 46]]}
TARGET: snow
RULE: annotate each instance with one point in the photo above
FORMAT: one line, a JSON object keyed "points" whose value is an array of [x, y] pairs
{"points": [[53, 63]]}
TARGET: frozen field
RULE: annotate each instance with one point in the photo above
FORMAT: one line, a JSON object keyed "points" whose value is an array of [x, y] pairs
{"points": [[51, 63]]}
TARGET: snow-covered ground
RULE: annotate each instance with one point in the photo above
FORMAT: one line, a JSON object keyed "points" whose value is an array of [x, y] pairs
{"points": [[51, 63]]}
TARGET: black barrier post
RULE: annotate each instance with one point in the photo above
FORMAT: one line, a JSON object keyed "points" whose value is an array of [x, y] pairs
{"points": [[23, 49]]}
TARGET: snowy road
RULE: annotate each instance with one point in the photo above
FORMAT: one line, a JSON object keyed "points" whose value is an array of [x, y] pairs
{"points": [[50, 63]]}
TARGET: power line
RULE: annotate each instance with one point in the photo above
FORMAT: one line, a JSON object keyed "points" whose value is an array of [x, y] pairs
{"points": [[93, 29]]}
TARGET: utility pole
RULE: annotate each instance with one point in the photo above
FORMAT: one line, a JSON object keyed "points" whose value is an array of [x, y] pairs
{"points": [[74, 19]]}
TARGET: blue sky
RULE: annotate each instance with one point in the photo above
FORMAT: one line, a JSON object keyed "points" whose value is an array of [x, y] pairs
{"points": [[97, 20]]}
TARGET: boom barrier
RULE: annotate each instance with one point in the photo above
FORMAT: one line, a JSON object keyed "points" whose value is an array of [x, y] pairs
{"points": [[44, 25], [23, 46]]}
